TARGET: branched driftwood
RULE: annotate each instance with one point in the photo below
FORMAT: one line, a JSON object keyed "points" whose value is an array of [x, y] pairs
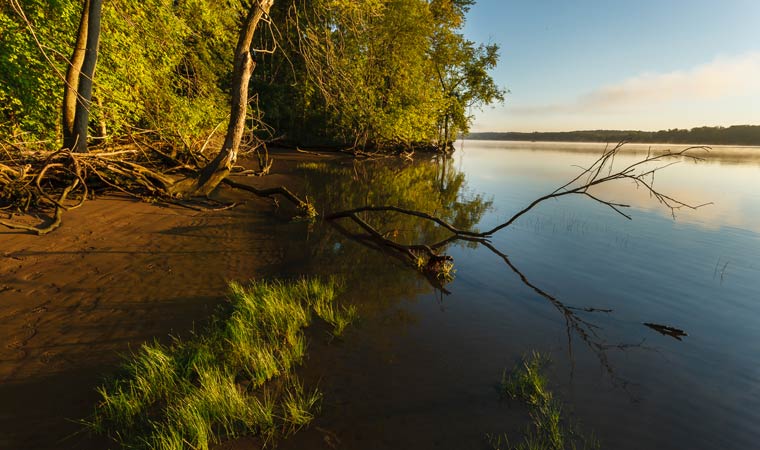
{"points": [[637, 172], [601, 171], [25, 186], [377, 242], [305, 207]]}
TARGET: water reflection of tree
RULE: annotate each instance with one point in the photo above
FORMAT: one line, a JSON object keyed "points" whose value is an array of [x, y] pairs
{"points": [[349, 251]]}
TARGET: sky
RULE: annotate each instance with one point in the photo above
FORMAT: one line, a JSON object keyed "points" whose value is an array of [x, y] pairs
{"points": [[615, 64]]}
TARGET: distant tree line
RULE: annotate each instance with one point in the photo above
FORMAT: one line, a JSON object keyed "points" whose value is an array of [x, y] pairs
{"points": [[733, 135], [378, 73]]}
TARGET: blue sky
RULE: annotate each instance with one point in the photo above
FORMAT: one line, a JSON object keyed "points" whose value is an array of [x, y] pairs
{"points": [[636, 64]]}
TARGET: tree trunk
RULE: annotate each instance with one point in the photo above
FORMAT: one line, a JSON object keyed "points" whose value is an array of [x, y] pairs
{"points": [[78, 91], [70, 95], [82, 118], [220, 167], [446, 134]]}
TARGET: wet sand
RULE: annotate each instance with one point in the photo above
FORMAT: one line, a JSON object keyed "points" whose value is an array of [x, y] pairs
{"points": [[119, 272]]}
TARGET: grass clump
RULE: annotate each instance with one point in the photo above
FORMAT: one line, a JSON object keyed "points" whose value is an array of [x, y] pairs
{"points": [[299, 405], [219, 384], [527, 383], [339, 317]]}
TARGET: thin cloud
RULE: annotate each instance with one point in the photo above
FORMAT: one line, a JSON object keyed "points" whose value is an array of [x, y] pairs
{"points": [[721, 78]]}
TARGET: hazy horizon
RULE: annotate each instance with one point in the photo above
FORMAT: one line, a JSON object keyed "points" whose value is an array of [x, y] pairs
{"points": [[611, 129]]}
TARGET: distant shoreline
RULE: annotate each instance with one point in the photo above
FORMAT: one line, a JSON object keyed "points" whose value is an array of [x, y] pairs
{"points": [[725, 153], [628, 144], [743, 135]]}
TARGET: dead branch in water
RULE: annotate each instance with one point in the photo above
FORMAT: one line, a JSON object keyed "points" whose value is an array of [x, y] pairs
{"points": [[426, 257], [600, 172], [637, 172]]}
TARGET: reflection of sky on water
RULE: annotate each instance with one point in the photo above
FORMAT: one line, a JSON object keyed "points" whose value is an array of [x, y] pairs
{"points": [[733, 189], [699, 272]]}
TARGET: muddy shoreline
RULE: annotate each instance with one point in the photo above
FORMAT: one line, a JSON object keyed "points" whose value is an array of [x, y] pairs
{"points": [[118, 273]]}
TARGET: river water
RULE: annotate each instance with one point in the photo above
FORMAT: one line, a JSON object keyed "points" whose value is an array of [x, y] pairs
{"points": [[420, 368]]}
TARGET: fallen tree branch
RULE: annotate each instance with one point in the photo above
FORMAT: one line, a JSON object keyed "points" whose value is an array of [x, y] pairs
{"points": [[305, 206], [351, 213], [589, 177]]}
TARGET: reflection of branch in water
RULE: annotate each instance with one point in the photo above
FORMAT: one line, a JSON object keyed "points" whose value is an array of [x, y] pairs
{"points": [[586, 330], [379, 243]]}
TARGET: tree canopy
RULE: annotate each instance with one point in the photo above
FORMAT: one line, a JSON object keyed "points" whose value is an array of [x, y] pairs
{"points": [[378, 73]]}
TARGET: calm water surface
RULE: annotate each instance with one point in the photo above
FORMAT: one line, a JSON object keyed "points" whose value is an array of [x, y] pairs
{"points": [[420, 369]]}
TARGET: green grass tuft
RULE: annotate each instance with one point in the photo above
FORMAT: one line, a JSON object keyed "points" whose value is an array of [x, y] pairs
{"points": [[195, 392], [299, 406], [527, 383], [338, 317]]}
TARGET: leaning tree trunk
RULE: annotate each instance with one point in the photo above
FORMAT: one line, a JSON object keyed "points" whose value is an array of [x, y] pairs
{"points": [[77, 97], [220, 167]]}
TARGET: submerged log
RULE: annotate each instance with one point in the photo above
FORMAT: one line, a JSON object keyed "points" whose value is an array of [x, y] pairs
{"points": [[673, 332]]}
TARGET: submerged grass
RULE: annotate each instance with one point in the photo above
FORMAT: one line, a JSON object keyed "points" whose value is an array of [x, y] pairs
{"points": [[194, 392], [528, 383]]}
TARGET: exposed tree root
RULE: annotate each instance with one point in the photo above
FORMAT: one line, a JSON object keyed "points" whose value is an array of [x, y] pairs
{"points": [[55, 182], [39, 230]]}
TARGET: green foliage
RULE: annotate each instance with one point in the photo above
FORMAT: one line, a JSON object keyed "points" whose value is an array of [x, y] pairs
{"points": [[377, 73], [195, 392], [164, 65], [526, 382], [299, 405], [31, 91], [461, 67], [446, 272], [384, 73]]}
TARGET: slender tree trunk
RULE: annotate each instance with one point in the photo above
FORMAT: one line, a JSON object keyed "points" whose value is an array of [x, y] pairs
{"points": [[446, 134], [72, 80], [82, 118], [78, 90], [220, 167]]}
